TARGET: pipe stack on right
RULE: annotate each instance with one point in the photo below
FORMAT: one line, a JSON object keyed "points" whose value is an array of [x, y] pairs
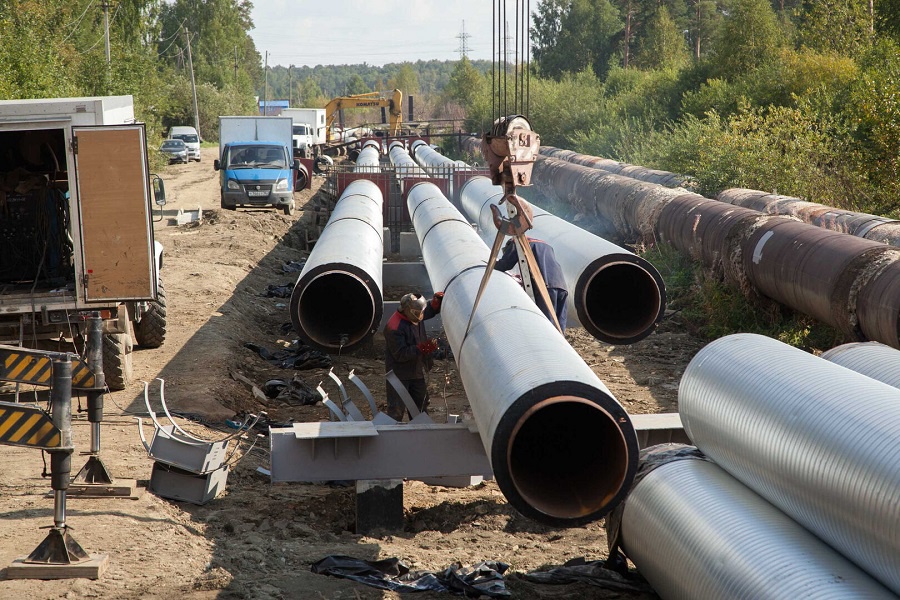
{"points": [[804, 496], [850, 283]]}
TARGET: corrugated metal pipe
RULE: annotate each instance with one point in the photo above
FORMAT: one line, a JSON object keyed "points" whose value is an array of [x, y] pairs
{"points": [[820, 442], [870, 227], [562, 449], [872, 359], [695, 532], [664, 178], [337, 301], [617, 296]]}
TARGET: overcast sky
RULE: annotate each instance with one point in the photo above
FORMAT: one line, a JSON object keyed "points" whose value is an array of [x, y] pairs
{"points": [[335, 32]]}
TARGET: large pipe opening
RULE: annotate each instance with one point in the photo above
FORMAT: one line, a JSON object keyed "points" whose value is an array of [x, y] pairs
{"points": [[347, 303], [620, 303], [567, 457]]}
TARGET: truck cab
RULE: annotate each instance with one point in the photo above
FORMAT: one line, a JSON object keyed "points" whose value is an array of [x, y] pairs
{"points": [[256, 174], [302, 140]]}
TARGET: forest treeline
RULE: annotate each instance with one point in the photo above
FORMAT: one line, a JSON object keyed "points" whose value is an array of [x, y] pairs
{"points": [[800, 97]]}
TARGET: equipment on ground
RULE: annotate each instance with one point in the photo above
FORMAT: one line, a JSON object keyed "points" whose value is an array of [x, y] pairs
{"points": [[393, 104]]}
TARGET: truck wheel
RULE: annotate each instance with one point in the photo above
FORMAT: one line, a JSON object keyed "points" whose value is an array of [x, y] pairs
{"points": [[116, 360], [225, 206], [150, 331], [288, 208]]}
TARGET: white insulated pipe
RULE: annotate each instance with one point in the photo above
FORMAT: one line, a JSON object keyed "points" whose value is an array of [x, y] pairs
{"points": [[562, 449], [695, 532], [819, 441], [617, 296], [369, 159], [403, 163], [872, 359], [337, 302]]}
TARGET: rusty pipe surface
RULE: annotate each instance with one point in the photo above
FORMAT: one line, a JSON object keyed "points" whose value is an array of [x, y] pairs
{"points": [[818, 441], [337, 302], [848, 282], [617, 296], [870, 227], [664, 178], [562, 449]]}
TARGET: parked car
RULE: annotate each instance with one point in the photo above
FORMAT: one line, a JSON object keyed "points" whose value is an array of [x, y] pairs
{"points": [[176, 150], [189, 136]]}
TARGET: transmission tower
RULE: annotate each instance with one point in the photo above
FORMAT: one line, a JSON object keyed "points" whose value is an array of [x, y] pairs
{"points": [[463, 38]]}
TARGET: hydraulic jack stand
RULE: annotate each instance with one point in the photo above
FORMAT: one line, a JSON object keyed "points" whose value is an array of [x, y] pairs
{"points": [[94, 479], [59, 556]]}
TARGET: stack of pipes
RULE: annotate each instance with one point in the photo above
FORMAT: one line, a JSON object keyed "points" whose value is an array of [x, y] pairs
{"points": [[801, 493], [562, 449], [864, 225], [850, 283], [337, 302]]}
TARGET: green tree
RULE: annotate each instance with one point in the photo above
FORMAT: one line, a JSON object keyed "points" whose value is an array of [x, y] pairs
{"points": [[571, 35], [663, 43], [356, 85], [465, 85], [310, 94], [405, 80], [748, 38], [834, 25]]}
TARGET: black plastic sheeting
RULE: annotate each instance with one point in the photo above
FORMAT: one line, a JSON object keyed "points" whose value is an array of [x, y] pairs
{"points": [[483, 579], [596, 573], [298, 356]]}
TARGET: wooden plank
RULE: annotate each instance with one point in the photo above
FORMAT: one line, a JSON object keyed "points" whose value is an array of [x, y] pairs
{"points": [[92, 568]]}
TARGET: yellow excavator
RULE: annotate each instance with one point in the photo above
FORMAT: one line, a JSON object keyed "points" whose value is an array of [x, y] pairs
{"points": [[393, 103]]}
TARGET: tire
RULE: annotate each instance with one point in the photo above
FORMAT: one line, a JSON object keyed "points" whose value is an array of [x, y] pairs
{"points": [[116, 360], [225, 206], [289, 208], [150, 331]]}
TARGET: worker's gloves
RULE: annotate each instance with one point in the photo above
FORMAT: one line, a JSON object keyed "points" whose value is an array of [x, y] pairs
{"points": [[436, 301], [427, 347]]}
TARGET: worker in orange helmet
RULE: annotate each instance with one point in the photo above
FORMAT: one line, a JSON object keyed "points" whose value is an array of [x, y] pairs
{"points": [[408, 350]]}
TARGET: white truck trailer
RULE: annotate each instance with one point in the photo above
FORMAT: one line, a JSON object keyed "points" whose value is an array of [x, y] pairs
{"points": [[76, 228], [309, 130]]}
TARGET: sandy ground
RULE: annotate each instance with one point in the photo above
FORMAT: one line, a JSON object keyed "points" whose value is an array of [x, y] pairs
{"points": [[257, 540]]}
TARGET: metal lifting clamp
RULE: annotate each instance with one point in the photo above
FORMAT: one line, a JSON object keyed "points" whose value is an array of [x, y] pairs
{"points": [[510, 150]]}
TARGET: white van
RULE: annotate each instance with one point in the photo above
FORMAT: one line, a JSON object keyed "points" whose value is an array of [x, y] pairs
{"points": [[190, 138]]}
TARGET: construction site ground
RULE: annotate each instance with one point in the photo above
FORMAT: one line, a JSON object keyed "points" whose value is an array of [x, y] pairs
{"points": [[258, 540]]}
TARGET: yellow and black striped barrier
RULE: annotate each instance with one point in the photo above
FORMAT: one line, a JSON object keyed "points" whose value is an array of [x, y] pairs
{"points": [[22, 365], [27, 425]]}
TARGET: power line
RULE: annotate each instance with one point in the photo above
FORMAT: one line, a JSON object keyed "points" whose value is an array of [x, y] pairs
{"points": [[77, 22]]}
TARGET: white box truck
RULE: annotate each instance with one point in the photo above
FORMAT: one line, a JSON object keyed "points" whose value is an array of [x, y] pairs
{"points": [[76, 228], [309, 130], [255, 162]]}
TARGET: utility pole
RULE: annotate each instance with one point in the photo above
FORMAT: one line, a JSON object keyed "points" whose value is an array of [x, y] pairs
{"points": [[463, 38], [290, 85], [105, 6], [235, 65], [187, 37], [266, 96]]}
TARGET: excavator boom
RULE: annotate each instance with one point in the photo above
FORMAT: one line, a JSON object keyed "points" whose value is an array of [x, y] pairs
{"points": [[393, 104]]}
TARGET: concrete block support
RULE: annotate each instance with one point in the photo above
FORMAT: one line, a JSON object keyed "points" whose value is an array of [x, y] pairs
{"points": [[409, 245]]}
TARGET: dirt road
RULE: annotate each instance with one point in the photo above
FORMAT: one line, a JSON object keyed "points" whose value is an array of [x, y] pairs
{"points": [[258, 539]]}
